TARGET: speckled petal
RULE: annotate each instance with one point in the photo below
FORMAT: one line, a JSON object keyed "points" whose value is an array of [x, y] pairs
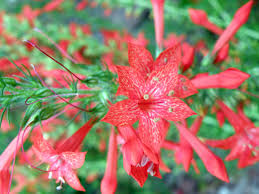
{"points": [[125, 112], [74, 159]]}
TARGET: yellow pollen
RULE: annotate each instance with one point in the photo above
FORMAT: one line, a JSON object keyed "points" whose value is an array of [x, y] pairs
{"points": [[170, 109], [171, 93], [146, 96], [182, 79], [156, 119], [156, 78], [185, 88]]}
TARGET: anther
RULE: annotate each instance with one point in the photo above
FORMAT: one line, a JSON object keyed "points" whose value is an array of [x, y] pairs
{"points": [[171, 93], [146, 96], [155, 78], [144, 161]]}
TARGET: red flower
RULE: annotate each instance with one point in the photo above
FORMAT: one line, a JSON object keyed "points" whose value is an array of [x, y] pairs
{"points": [[244, 143], [187, 50], [81, 5], [240, 18], [222, 54], [4, 180], [183, 150], [29, 14], [148, 90], [65, 158], [230, 79], [199, 17], [109, 181], [212, 162], [138, 159], [158, 9], [51, 6], [188, 56]]}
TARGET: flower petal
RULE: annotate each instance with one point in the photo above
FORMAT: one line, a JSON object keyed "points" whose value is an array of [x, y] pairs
{"points": [[225, 144], [151, 131], [74, 159], [184, 87], [109, 181], [72, 179], [41, 147], [188, 56], [163, 166], [170, 56], [230, 79], [232, 117], [125, 112], [140, 59], [172, 109], [139, 174], [131, 82], [240, 18]]}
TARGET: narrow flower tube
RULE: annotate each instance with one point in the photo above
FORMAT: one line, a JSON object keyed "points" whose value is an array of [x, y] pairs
{"points": [[222, 54], [230, 79], [74, 142], [213, 163], [109, 181], [158, 9], [199, 17], [4, 180], [188, 56], [240, 18], [232, 117], [51, 6]]}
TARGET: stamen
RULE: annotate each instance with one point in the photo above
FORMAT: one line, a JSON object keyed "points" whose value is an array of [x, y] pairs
{"points": [[156, 78], [146, 96], [150, 169], [170, 109], [184, 88], [165, 60], [61, 179], [182, 79], [59, 187], [144, 161], [156, 119], [50, 175], [171, 93]]}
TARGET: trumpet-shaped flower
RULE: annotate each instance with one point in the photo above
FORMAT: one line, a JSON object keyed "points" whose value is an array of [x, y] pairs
{"points": [[244, 143], [65, 158], [149, 90]]}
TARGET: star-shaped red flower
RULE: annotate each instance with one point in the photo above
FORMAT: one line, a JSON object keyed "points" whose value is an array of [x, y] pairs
{"points": [[62, 164], [244, 143], [149, 86]]}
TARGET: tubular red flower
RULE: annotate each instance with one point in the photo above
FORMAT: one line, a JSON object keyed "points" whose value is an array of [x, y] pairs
{"points": [[199, 17], [183, 151], [222, 54], [149, 92], [51, 6], [230, 79], [244, 143], [212, 162], [188, 56], [158, 9], [240, 18], [109, 181], [81, 5]]}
